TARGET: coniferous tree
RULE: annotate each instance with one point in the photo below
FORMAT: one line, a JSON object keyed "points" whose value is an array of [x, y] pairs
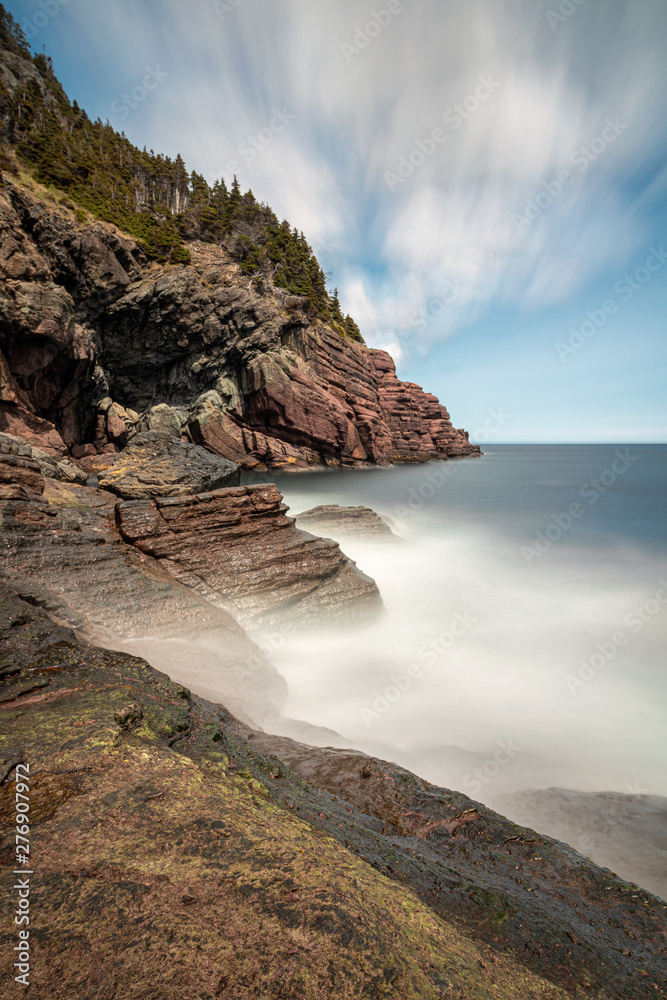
{"points": [[148, 195]]}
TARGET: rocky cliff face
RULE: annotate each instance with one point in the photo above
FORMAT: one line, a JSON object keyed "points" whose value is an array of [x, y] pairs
{"points": [[97, 343]]}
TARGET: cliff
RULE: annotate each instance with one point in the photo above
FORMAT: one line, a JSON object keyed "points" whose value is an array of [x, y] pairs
{"points": [[136, 296], [98, 343]]}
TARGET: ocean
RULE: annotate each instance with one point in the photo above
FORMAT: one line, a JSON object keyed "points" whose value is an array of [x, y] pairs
{"points": [[522, 647]]}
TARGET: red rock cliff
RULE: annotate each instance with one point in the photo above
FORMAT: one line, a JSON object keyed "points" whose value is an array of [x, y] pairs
{"points": [[96, 344]]}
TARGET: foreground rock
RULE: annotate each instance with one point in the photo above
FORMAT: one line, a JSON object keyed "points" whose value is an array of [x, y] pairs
{"points": [[97, 345], [360, 521], [520, 890], [627, 833], [238, 548], [175, 859], [65, 553], [155, 464]]}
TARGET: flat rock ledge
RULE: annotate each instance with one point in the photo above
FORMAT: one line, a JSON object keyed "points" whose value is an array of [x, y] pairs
{"points": [[345, 521]]}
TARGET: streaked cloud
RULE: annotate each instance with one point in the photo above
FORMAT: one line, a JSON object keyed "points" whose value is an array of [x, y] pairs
{"points": [[452, 220]]}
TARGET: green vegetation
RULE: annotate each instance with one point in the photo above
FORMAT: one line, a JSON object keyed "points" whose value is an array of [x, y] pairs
{"points": [[148, 195]]}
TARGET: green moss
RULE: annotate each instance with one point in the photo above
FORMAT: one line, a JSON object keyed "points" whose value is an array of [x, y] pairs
{"points": [[162, 870]]}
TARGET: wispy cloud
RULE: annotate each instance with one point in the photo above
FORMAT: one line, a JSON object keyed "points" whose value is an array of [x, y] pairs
{"points": [[356, 116]]}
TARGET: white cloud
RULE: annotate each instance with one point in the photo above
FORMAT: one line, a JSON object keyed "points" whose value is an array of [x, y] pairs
{"points": [[452, 219]]}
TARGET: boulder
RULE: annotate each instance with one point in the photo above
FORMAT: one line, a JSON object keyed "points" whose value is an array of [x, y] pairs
{"points": [[155, 464], [63, 470], [344, 521], [49, 466], [168, 419], [94, 465]]}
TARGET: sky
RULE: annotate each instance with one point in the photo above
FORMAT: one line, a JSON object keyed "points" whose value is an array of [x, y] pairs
{"points": [[483, 180]]}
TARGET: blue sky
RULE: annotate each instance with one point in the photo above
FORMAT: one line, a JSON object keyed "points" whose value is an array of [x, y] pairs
{"points": [[476, 175]]}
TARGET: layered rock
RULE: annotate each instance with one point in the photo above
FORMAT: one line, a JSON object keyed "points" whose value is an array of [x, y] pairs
{"points": [[96, 346], [160, 584], [176, 858], [66, 549], [20, 475], [237, 547], [359, 521], [49, 466]]}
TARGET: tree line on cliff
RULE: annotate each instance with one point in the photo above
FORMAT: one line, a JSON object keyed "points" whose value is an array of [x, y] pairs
{"points": [[148, 195]]}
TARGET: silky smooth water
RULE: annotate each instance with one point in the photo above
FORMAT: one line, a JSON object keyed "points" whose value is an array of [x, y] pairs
{"points": [[526, 617]]}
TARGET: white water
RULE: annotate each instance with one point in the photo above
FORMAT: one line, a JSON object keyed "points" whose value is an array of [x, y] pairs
{"points": [[502, 683]]}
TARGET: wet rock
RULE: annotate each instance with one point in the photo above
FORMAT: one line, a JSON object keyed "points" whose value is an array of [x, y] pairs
{"points": [[459, 902], [156, 464], [344, 521], [237, 547], [624, 832]]}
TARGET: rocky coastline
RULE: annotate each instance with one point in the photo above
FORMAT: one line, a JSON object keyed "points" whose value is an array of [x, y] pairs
{"points": [[181, 828], [98, 343], [180, 853], [178, 849]]}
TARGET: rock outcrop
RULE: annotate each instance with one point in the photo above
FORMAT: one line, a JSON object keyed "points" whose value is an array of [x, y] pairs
{"points": [[155, 464], [156, 571], [97, 345], [174, 857], [238, 548], [65, 550], [17, 452], [359, 521]]}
